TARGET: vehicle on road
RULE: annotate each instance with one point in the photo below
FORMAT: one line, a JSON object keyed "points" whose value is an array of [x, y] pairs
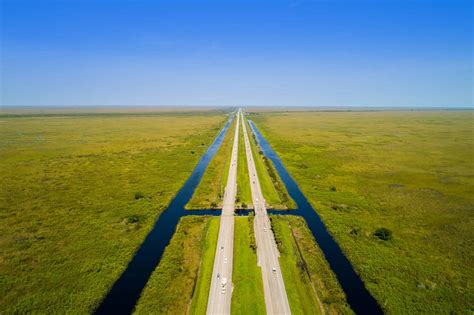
{"points": [[274, 270], [223, 283]]}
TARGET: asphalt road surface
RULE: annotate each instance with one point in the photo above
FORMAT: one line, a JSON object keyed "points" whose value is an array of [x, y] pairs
{"points": [[276, 300], [220, 294]]}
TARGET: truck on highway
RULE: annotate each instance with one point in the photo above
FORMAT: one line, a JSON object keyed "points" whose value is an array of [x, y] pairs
{"points": [[223, 283]]}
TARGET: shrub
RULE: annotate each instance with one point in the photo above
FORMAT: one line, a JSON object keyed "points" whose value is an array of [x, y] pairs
{"points": [[383, 234], [333, 188], [253, 243], [139, 195], [300, 265], [356, 231], [133, 218]]}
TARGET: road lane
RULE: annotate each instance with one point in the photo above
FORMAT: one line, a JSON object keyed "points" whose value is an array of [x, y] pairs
{"points": [[220, 295], [276, 300]]}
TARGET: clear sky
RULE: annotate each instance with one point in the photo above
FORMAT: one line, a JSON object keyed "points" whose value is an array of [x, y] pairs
{"points": [[288, 53]]}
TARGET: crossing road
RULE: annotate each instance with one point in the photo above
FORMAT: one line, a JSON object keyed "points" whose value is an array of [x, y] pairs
{"points": [[276, 300]]}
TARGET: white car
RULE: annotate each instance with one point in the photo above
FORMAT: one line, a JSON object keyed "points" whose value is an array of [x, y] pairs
{"points": [[274, 270], [225, 260]]}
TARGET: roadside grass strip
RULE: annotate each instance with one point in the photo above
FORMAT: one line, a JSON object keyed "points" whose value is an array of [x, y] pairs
{"points": [[203, 283], [301, 295], [247, 295], [273, 189]]}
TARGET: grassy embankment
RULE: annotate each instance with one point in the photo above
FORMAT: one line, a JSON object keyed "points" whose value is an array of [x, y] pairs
{"points": [[210, 191], [273, 189], [247, 296], [79, 193], [409, 172], [171, 286], [311, 286], [203, 282]]}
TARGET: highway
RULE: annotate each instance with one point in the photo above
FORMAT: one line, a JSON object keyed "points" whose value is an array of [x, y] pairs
{"points": [[276, 300], [220, 295]]}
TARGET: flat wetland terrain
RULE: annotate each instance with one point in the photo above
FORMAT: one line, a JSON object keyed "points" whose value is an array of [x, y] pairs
{"points": [[81, 190], [396, 190], [80, 193]]}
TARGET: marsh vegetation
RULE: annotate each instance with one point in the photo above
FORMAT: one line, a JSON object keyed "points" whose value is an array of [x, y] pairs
{"points": [[395, 189], [80, 193]]}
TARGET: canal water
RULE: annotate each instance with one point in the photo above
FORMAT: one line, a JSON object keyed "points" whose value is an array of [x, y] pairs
{"points": [[358, 297], [127, 289]]}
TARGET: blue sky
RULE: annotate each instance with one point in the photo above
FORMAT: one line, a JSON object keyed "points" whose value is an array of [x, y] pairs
{"points": [[286, 53]]}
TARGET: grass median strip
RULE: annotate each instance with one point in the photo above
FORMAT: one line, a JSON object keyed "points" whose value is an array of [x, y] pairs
{"points": [[244, 196], [247, 295]]}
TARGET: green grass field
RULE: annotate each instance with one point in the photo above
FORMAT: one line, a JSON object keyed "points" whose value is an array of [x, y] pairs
{"points": [[203, 283], [273, 189], [409, 172], [247, 295], [244, 195], [302, 296], [210, 191], [170, 288], [79, 194], [309, 281]]}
